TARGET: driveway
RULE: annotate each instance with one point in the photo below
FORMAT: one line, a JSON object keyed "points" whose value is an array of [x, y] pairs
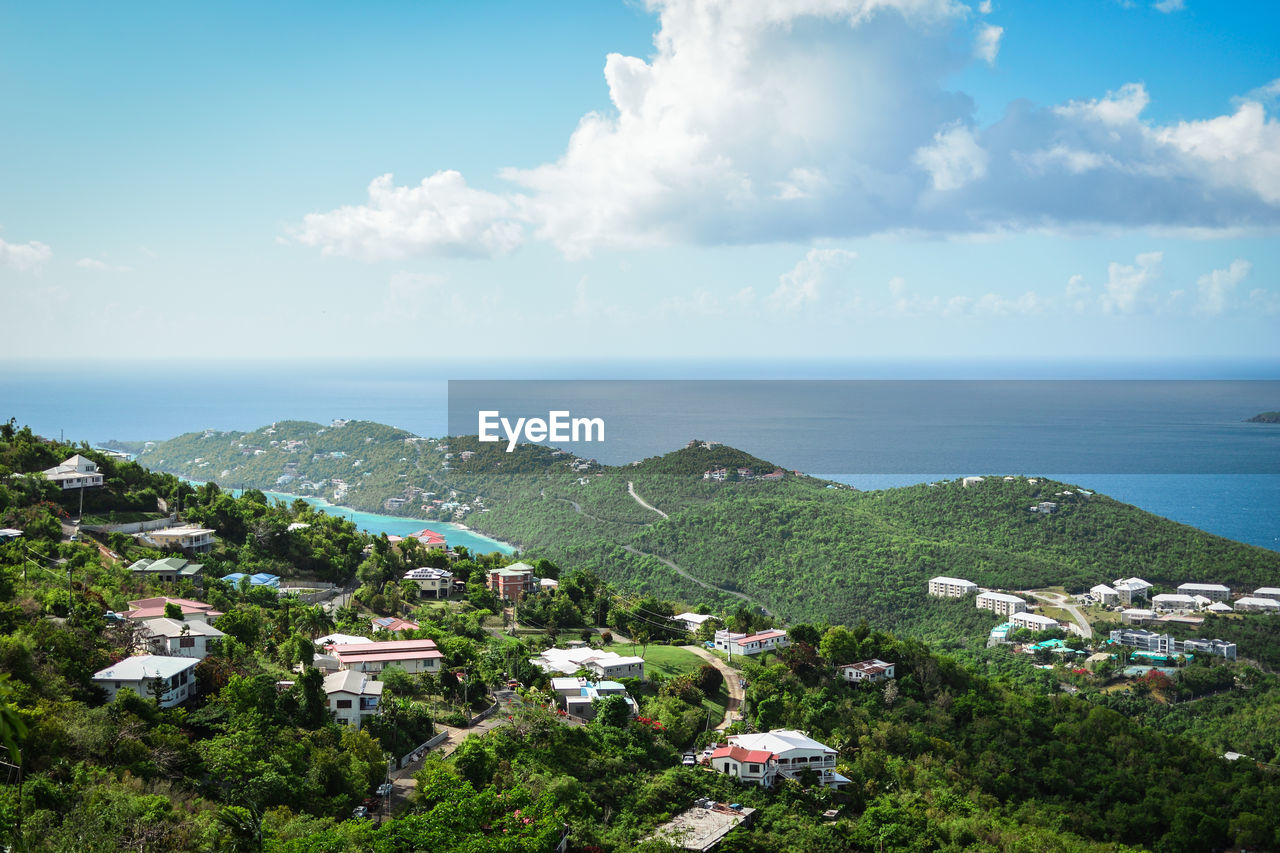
{"points": [[732, 680], [1065, 603]]}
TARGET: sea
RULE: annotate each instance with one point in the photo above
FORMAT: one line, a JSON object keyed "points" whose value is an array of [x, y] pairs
{"points": [[1169, 437]]}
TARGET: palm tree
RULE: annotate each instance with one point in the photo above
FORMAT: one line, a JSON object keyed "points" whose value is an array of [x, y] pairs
{"points": [[243, 829], [313, 621]]}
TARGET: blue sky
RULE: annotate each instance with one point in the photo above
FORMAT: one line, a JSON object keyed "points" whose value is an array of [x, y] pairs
{"points": [[674, 179]]}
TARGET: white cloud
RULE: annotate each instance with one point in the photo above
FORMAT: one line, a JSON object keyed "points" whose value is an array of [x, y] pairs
{"points": [[24, 256], [984, 7], [100, 266], [1216, 287], [987, 44], [954, 159], [1168, 6], [802, 285], [442, 215], [1127, 284], [811, 119]]}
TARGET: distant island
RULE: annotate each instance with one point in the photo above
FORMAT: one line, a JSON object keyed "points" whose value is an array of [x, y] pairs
{"points": [[1265, 418]]}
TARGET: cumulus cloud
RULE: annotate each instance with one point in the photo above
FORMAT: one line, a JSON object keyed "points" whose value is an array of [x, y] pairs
{"points": [[24, 256], [802, 284], [1216, 287], [811, 119], [1168, 6], [1127, 284], [442, 215], [987, 44]]}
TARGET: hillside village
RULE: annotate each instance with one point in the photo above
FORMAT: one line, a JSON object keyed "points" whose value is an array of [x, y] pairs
{"points": [[287, 678]]}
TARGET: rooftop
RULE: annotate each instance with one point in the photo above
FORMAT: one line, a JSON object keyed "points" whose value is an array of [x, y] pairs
{"points": [[350, 681], [176, 628], [779, 741], [145, 667]]}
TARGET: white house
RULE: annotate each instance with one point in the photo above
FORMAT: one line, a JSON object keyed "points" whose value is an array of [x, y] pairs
{"points": [[1135, 615], [1220, 607], [1212, 591], [1269, 605], [437, 583], [77, 472], [1105, 594], [1033, 621], [167, 570], [193, 638], [945, 587], [691, 622], [413, 656], [352, 696], [867, 670], [193, 540], [755, 766], [793, 752], [602, 664], [1000, 603], [971, 481], [733, 643], [169, 679], [576, 695]]}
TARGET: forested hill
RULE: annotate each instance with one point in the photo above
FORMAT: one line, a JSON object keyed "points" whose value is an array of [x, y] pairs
{"points": [[803, 548]]}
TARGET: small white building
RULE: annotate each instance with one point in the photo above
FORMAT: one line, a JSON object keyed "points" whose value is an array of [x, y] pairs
{"points": [[436, 583], [867, 670], [1033, 621], [1269, 605], [751, 644], [193, 540], [77, 472], [193, 638], [1212, 591], [972, 481], [1131, 589], [340, 640], [1267, 592], [1105, 594], [352, 696], [1171, 601], [945, 587], [1220, 607], [169, 680], [1001, 603], [691, 622], [1136, 616]]}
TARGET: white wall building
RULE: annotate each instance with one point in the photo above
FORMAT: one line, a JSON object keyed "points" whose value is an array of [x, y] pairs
{"points": [[1170, 601], [1269, 605], [691, 622], [192, 638], [794, 751], [1001, 603], [867, 670], [352, 696], [1033, 621], [437, 583], [945, 587], [77, 472], [600, 663], [1212, 591], [1105, 594], [168, 679], [1131, 589], [193, 540], [413, 656]]}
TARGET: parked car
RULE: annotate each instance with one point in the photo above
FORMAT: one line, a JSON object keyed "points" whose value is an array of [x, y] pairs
{"points": [[689, 760], [384, 789], [360, 812]]}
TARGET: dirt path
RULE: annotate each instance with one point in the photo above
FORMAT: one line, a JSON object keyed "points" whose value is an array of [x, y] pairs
{"points": [[732, 681], [1064, 602], [631, 490], [682, 573]]}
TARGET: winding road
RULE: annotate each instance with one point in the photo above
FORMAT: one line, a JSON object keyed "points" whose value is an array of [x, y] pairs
{"points": [[631, 490], [1064, 602]]}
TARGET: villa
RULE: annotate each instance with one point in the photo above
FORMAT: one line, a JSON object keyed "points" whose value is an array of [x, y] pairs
{"points": [[76, 472]]}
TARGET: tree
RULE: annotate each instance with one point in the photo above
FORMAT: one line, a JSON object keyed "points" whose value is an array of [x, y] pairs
{"points": [[242, 829], [611, 711], [172, 610]]}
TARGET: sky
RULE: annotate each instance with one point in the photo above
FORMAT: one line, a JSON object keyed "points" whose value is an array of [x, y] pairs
{"points": [[679, 179]]}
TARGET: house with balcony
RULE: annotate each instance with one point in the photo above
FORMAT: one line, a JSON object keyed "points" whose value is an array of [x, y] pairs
{"points": [[76, 472], [352, 696], [1000, 603], [191, 539], [792, 752], [733, 643], [413, 656], [191, 638], [577, 695], [1106, 595], [753, 766], [1033, 621], [513, 582], [945, 587], [170, 680], [433, 583]]}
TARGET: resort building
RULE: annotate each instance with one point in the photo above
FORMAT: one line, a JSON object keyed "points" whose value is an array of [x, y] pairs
{"points": [[352, 697], [1002, 604], [1267, 592], [1212, 591], [601, 664], [1163, 644], [1269, 605], [1106, 595], [867, 670], [413, 656], [167, 679], [1221, 648], [945, 587], [732, 643], [435, 583], [792, 753], [1033, 621], [77, 472], [1131, 589], [168, 570], [193, 638], [193, 540], [1134, 616], [1170, 601]]}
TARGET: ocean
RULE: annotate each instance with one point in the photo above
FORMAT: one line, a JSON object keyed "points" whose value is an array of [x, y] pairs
{"points": [[1178, 449]]}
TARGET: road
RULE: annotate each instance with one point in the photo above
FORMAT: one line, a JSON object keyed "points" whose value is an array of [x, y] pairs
{"points": [[1063, 601], [631, 490], [732, 680], [682, 573]]}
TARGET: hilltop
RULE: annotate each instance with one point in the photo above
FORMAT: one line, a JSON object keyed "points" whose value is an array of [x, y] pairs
{"points": [[799, 547]]}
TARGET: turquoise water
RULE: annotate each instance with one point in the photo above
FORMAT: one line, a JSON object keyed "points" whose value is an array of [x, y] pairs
{"points": [[396, 526]]}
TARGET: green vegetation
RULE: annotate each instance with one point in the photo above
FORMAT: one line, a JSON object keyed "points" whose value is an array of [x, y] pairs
{"points": [[1265, 418]]}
